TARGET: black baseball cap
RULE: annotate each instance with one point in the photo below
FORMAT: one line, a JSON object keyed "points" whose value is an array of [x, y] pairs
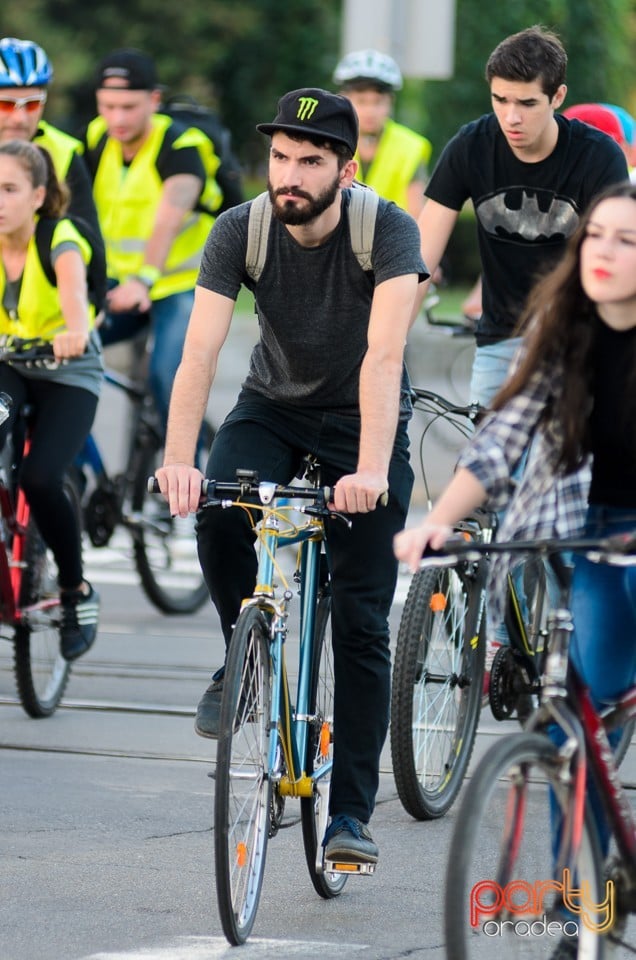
{"points": [[135, 70], [317, 113]]}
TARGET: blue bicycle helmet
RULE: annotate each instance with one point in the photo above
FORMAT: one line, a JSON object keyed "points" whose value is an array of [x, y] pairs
{"points": [[23, 64]]}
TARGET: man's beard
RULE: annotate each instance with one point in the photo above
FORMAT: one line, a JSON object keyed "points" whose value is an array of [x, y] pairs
{"points": [[294, 216]]}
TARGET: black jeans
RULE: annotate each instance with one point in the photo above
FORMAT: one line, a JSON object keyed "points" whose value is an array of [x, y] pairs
{"points": [[273, 438], [62, 419]]}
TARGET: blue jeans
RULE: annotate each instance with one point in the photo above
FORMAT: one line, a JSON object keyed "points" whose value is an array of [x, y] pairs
{"points": [[169, 319], [272, 438], [490, 369], [603, 644]]}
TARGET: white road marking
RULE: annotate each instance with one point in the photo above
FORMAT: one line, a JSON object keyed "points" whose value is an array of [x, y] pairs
{"points": [[212, 948]]}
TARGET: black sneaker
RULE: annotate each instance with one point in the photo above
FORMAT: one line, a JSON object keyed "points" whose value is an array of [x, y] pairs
{"points": [[206, 722], [80, 617], [348, 840]]}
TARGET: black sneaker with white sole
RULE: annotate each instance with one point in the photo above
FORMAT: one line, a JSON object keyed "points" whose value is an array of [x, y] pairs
{"points": [[78, 626]]}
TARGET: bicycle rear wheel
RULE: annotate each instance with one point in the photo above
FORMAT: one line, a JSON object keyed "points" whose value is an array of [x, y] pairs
{"points": [[314, 810], [499, 901], [243, 787], [165, 547], [41, 672], [436, 688]]}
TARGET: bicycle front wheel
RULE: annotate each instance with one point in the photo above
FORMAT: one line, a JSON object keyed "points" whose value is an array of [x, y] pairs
{"points": [[41, 672], [164, 546], [436, 688], [243, 788], [502, 898], [314, 810]]}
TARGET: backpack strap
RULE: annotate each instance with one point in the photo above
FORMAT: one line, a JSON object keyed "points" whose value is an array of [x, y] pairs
{"points": [[363, 209], [258, 225], [44, 230]]}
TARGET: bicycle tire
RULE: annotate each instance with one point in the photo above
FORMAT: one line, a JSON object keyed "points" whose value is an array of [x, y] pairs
{"points": [[502, 839], [437, 687], [41, 672], [320, 751], [164, 547], [243, 786]]}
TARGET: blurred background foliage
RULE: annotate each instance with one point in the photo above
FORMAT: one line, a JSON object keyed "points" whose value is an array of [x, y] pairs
{"points": [[241, 55]]}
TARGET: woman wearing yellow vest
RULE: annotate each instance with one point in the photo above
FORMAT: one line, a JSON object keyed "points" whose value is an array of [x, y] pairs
{"points": [[63, 399], [391, 158]]}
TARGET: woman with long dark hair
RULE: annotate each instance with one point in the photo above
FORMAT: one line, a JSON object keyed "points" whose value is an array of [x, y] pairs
{"points": [[63, 399]]}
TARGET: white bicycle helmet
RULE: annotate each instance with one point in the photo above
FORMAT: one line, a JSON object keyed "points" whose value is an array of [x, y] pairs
{"points": [[23, 64], [369, 65]]}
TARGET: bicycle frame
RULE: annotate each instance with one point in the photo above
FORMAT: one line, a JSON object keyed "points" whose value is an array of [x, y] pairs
{"points": [[293, 725], [90, 455], [567, 703], [587, 749], [16, 520]]}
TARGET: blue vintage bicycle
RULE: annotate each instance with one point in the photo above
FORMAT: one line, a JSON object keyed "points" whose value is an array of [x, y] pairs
{"points": [[276, 737]]}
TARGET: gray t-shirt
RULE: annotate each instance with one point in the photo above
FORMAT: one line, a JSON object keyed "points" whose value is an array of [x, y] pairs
{"points": [[313, 303]]}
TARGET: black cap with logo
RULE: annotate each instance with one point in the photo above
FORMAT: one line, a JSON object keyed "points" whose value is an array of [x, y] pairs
{"points": [[132, 69], [317, 113]]}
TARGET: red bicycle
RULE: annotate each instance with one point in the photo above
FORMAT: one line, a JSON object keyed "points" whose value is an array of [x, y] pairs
{"points": [[29, 593], [504, 895]]}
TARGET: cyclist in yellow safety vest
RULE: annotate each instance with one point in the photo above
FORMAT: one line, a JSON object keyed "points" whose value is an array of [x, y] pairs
{"points": [[156, 195], [391, 158], [25, 74]]}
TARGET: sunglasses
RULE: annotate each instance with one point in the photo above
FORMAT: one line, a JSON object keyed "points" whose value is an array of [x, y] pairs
{"points": [[28, 104]]}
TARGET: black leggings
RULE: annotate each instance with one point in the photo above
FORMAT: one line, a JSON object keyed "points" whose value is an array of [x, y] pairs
{"points": [[62, 419]]}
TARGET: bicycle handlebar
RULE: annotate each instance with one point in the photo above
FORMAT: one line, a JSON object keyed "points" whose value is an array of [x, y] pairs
{"points": [[266, 491], [471, 410], [31, 353], [618, 549]]}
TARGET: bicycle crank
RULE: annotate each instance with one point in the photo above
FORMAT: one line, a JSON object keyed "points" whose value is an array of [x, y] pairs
{"points": [[101, 515]]}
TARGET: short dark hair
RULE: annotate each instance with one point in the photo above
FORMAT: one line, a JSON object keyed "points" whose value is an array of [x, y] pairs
{"points": [[532, 54]]}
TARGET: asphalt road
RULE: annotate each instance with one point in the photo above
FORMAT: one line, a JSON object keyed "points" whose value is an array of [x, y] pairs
{"points": [[106, 847]]}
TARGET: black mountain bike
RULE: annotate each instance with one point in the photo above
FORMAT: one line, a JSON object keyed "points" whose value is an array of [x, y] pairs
{"points": [[164, 547]]}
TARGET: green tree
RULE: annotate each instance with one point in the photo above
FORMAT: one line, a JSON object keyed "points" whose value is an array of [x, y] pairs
{"points": [[238, 56], [598, 36]]}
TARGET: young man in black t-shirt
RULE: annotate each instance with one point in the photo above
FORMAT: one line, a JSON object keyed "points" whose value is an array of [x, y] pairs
{"points": [[529, 174]]}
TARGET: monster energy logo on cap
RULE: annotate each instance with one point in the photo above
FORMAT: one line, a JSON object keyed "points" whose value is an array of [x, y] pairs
{"points": [[316, 113], [306, 108]]}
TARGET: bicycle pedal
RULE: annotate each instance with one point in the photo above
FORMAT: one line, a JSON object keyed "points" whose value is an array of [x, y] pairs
{"points": [[339, 866]]}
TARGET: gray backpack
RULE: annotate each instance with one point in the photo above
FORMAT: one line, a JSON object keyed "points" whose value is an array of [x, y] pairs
{"points": [[363, 208]]}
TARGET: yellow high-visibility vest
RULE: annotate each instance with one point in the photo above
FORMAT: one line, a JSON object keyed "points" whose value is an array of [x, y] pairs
{"points": [[127, 198], [61, 146], [39, 312], [399, 153]]}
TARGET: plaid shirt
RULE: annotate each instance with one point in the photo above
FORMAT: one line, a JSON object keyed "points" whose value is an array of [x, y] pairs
{"points": [[543, 503]]}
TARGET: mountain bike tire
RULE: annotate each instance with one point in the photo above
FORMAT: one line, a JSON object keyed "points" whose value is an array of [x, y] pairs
{"points": [[41, 672], [314, 810], [502, 843], [437, 687], [242, 802], [165, 547]]}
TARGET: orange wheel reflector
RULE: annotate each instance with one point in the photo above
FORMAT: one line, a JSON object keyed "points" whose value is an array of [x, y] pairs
{"points": [[438, 602], [241, 854], [325, 739]]}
